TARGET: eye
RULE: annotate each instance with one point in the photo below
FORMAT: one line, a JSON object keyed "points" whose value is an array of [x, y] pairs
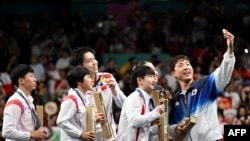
{"points": [[179, 65]]}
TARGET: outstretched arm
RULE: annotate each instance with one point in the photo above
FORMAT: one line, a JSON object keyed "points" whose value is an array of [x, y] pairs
{"points": [[230, 41], [224, 72]]}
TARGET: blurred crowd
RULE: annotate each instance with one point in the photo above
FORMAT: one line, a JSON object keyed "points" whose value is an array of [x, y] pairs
{"points": [[46, 44]]}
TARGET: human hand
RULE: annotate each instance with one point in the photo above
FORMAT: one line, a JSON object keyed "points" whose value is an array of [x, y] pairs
{"points": [[111, 83], [168, 95], [230, 38], [38, 134], [88, 136], [179, 130], [157, 121], [160, 108], [100, 117]]}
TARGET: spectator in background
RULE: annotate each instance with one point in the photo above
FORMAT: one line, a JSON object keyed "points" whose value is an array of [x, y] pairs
{"points": [[63, 60], [172, 82], [113, 69], [41, 94], [242, 113], [230, 116], [12, 62], [245, 95], [246, 72], [158, 64], [38, 68], [125, 84], [132, 61], [61, 85], [53, 76], [233, 95], [13, 47], [130, 46], [6, 83], [116, 46]]}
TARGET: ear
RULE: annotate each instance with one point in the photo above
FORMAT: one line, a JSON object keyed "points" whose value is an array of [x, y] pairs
{"points": [[79, 83], [173, 73], [20, 81], [139, 80]]}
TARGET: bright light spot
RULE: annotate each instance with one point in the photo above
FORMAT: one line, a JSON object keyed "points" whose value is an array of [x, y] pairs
{"points": [[246, 50]]}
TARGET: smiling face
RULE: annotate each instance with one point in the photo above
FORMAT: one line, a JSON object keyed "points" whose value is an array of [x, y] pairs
{"points": [[87, 83], [147, 83], [90, 62], [144, 77], [183, 71]]}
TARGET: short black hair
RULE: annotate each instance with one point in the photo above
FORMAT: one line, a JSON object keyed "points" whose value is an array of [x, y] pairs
{"points": [[141, 71], [77, 55], [174, 61], [20, 71], [76, 75]]}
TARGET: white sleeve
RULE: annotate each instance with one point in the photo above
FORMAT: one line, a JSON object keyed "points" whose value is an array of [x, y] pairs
{"points": [[224, 72], [133, 110], [12, 114], [67, 111], [154, 129], [120, 98], [172, 130]]}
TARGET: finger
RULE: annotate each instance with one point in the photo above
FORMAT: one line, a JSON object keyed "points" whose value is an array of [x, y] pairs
{"points": [[92, 135], [101, 114], [224, 30], [92, 139]]}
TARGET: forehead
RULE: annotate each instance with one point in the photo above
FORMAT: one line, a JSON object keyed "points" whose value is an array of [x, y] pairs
{"points": [[29, 74], [88, 55], [182, 60]]}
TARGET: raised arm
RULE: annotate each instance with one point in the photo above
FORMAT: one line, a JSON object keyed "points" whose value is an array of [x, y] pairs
{"points": [[224, 71]]}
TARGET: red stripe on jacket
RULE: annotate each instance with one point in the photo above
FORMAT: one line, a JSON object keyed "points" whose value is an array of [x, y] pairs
{"points": [[72, 98], [14, 101]]}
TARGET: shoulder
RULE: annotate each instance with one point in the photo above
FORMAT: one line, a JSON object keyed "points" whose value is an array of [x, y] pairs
{"points": [[14, 100], [205, 80], [104, 74], [70, 99], [133, 96]]}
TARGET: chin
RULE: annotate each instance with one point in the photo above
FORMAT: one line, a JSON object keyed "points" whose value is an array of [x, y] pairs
{"points": [[188, 80], [90, 88], [95, 71]]}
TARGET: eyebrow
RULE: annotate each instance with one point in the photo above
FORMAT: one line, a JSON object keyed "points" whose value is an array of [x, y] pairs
{"points": [[89, 59]]}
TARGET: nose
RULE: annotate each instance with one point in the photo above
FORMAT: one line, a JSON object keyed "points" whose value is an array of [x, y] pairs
{"points": [[186, 67], [155, 79], [95, 61]]}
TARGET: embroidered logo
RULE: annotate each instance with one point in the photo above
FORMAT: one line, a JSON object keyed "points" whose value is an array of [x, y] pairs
{"points": [[194, 92], [177, 104]]}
